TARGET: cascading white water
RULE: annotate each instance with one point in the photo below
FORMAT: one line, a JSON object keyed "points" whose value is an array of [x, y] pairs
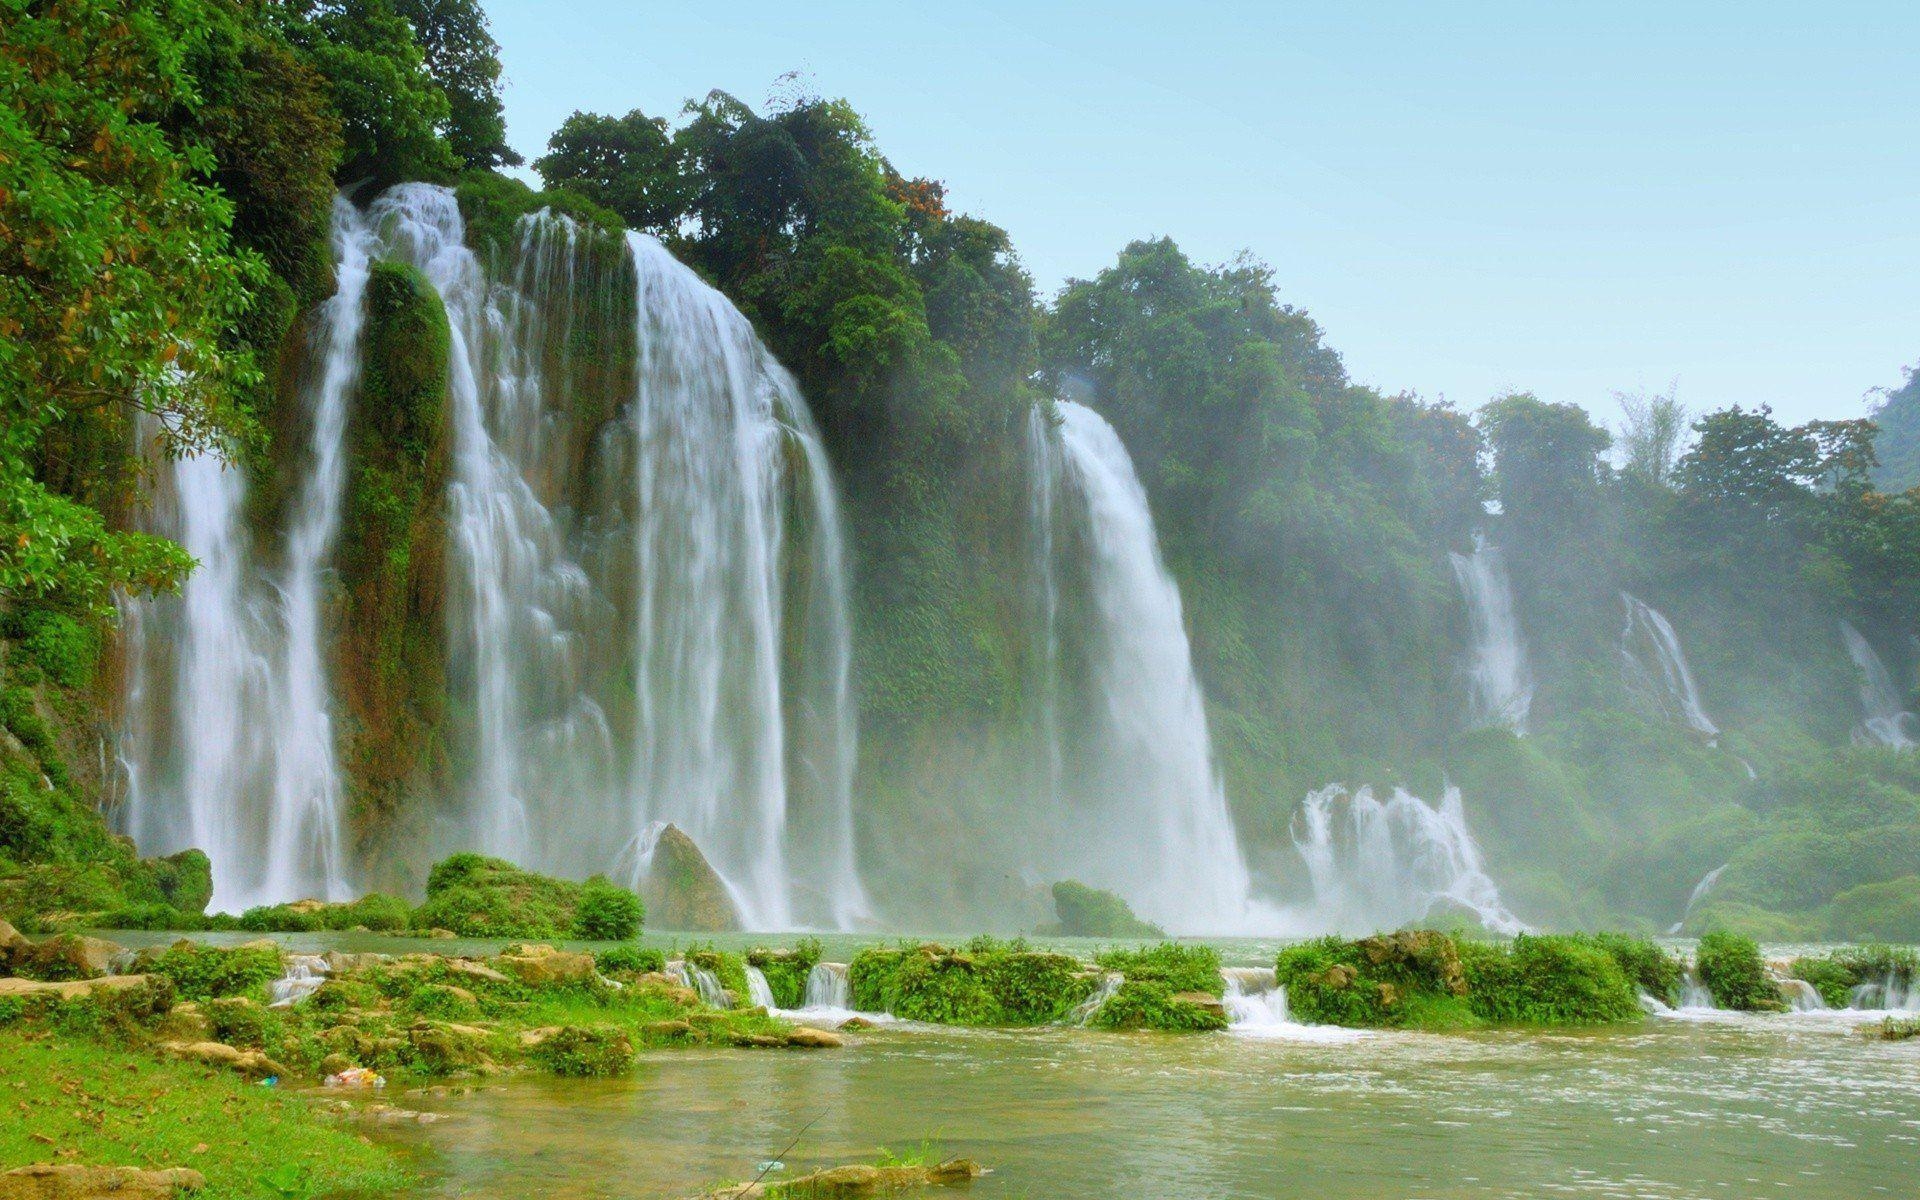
{"points": [[305, 974], [1386, 864], [1257, 1007], [1043, 471], [829, 986], [1884, 720], [1084, 1012], [722, 436], [702, 981], [1669, 682], [1500, 684], [229, 744], [649, 611], [1153, 824], [759, 991]]}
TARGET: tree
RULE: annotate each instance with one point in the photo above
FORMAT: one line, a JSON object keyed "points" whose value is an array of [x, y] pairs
{"points": [[1653, 436], [460, 54], [1746, 463], [118, 283], [391, 109], [628, 164]]}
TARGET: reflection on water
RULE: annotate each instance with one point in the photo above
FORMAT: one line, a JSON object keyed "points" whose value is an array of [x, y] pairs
{"points": [[1793, 1106]]}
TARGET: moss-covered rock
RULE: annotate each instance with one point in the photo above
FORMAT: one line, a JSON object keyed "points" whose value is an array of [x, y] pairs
{"points": [[390, 655], [683, 891], [786, 971], [476, 896], [1152, 1004], [1090, 912], [988, 983]]}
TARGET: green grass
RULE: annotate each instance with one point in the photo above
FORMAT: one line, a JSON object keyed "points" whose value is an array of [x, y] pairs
{"points": [[124, 1108]]}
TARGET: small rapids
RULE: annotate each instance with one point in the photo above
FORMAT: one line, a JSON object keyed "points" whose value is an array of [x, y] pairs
{"points": [[1257, 1007]]}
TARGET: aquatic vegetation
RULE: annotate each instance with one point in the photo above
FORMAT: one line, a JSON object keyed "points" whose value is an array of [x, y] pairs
{"points": [[1730, 966], [1547, 980], [209, 972], [989, 983], [1182, 968], [1835, 975], [574, 1050], [1896, 1029], [1151, 1003], [629, 960], [1653, 969]]}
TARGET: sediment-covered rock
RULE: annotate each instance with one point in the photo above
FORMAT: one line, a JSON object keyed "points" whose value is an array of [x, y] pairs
{"points": [[74, 1181]]}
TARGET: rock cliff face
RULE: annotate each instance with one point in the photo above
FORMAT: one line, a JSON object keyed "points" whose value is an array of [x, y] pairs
{"points": [[683, 892]]}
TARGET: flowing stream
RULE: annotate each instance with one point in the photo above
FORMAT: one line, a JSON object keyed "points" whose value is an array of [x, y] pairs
{"points": [[1150, 821], [1500, 683]]}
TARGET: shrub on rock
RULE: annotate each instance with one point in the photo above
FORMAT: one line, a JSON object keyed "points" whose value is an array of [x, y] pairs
{"points": [[1090, 912], [1731, 968]]}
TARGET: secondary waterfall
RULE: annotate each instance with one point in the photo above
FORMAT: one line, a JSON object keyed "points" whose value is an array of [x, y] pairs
{"points": [[1386, 864], [1884, 720], [649, 609], [1149, 819], [228, 741], [1698, 894], [1649, 635], [1500, 684]]}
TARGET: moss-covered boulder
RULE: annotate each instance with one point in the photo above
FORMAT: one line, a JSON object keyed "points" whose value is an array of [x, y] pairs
{"points": [[1084, 911], [476, 896], [987, 983], [682, 891]]}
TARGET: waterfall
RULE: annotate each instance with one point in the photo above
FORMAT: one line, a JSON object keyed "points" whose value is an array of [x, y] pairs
{"points": [[1698, 894], [1150, 820], [1500, 683], [702, 981], [759, 991], [1388, 864], [1043, 469], [1084, 1012], [305, 974], [828, 986], [1884, 721], [1669, 681], [1257, 1007], [649, 602], [228, 742]]}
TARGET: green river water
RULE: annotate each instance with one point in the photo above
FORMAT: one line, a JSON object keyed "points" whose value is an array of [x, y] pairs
{"points": [[1799, 1106]]}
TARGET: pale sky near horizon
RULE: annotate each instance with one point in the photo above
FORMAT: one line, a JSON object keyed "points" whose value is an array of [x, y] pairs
{"points": [[1470, 198]]}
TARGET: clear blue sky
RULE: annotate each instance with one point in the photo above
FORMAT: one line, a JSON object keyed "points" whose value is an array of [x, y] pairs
{"points": [[1469, 197]]}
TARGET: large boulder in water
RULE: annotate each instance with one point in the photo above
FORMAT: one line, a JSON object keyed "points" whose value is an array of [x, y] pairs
{"points": [[683, 892]]}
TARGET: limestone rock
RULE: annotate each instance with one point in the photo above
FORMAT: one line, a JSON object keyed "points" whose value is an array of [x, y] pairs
{"points": [[474, 970], [252, 1063], [68, 989], [543, 966], [814, 1039], [67, 956], [856, 1023], [1206, 1002], [339, 963], [448, 1047], [72, 1181], [860, 1180], [682, 890], [668, 1029]]}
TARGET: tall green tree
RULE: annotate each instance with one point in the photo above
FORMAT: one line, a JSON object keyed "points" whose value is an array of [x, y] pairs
{"points": [[118, 286], [460, 55]]}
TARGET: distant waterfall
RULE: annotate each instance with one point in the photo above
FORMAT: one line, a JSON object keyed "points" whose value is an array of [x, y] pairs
{"points": [[1648, 635], [1500, 683], [1884, 720], [1385, 864], [228, 744], [1149, 815], [1698, 894], [649, 603]]}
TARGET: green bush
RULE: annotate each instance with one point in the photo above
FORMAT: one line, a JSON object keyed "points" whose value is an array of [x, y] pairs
{"points": [[578, 1051], [1837, 974], [1414, 979], [60, 646], [629, 960], [1182, 968], [988, 984], [209, 972], [151, 917], [1653, 969], [239, 1021], [1090, 912], [375, 910], [1731, 968], [606, 913], [729, 969], [1151, 1004], [1548, 980], [440, 1000], [476, 896]]}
